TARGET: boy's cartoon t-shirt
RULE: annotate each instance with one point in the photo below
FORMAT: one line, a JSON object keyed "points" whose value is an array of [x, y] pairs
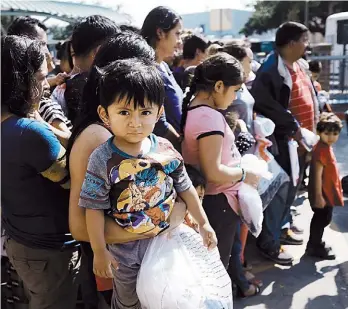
{"points": [[138, 192]]}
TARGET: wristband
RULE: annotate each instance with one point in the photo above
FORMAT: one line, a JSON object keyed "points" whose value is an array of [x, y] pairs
{"points": [[243, 175]]}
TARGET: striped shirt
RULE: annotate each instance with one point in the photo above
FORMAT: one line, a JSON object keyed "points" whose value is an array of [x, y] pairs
{"points": [[301, 101], [51, 110]]}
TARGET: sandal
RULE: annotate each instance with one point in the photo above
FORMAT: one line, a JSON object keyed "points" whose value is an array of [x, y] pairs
{"points": [[252, 280], [256, 282], [242, 294]]}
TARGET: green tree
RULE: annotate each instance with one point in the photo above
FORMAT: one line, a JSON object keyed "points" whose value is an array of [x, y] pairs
{"points": [[270, 14]]}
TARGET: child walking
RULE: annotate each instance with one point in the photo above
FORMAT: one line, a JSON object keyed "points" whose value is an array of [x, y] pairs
{"points": [[134, 177], [209, 145], [325, 189]]}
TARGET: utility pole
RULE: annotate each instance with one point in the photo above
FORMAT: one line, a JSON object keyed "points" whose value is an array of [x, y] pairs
{"points": [[221, 23], [306, 13]]}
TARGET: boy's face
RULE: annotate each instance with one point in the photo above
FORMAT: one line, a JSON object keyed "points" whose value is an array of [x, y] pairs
{"points": [[200, 191], [131, 124], [329, 138]]}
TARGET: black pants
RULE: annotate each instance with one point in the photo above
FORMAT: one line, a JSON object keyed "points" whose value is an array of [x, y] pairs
{"points": [[88, 284], [321, 219], [225, 223]]}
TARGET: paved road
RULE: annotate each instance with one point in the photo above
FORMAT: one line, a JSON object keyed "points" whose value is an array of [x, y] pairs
{"points": [[308, 284]]}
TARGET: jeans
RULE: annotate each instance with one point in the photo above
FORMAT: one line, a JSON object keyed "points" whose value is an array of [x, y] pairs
{"points": [[273, 218], [293, 189], [235, 268], [320, 220]]}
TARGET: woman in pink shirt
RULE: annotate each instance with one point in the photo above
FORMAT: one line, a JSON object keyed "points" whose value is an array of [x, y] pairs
{"points": [[209, 146]]}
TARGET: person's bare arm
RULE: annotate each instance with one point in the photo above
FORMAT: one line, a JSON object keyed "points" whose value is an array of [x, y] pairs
{"points": [[318, 185], [58, 127], [90, 139], [210, 148]]}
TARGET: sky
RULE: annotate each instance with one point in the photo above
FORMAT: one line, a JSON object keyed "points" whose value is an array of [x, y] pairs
{"points": [[138, 9]]}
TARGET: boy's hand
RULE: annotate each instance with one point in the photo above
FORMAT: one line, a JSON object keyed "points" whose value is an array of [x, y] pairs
{"points": [[102, 263], [208, 235]]}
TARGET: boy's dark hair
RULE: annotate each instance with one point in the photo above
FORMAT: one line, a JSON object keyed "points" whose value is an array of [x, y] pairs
{"points": [[195, 176], [91, 32], [236, 49], [315, 66], [130, 79], [21, 58], [329, 122], [191, 44], [162, 18], [26, 25], [218, 67], [289, 31]]}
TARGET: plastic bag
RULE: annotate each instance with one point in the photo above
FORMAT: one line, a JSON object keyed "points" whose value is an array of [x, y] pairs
{"points": [[263, 126], [251, 210], [179, 272], [295, 166], [309, 139], [268, 188]]}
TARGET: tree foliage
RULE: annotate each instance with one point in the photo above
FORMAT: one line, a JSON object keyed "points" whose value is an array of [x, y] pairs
{"points": [[270, 14]]}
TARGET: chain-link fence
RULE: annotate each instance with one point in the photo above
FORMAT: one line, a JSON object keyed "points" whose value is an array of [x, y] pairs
{"points": [[334, 77]]}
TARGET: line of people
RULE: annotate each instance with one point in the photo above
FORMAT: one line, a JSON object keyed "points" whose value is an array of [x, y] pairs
{"points": [[91, 171]]}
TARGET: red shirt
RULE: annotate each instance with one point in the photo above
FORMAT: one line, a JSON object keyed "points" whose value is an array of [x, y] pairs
{"points": [[301, 102], [331, 184]]}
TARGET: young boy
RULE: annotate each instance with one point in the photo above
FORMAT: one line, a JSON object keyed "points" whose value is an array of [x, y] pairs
{"points": [[134, 177], [325, 189]]}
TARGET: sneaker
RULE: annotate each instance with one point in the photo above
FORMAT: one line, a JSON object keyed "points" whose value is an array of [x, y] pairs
{"points": [[321, 252], [288, 237], [296, 229], [280, 256]]}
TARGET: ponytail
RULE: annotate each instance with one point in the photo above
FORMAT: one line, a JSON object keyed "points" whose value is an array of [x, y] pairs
{"points": [[186, 103]]}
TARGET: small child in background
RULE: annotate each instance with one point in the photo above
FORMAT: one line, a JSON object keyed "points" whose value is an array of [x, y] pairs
{"points": [[315, 67], [325, 189]]}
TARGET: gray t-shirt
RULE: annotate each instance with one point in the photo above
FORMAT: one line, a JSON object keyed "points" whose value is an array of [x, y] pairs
{"points": [[137, 192]]}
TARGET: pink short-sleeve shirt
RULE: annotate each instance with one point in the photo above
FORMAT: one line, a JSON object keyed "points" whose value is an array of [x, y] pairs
{"points": [[203, 121]]}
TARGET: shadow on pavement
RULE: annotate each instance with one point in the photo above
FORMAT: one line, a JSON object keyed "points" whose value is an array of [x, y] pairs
{"points": [[280, 285]]}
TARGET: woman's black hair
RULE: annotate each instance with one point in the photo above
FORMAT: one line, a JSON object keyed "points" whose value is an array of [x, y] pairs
{"points": [[219, 67], [21, 58], [162, 18], [236, 49], [136, 80], [121, 46], [196, 177], [64, 52]]}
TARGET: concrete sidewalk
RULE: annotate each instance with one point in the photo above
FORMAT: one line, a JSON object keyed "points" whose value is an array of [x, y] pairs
{"points": [[309, 283]]}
